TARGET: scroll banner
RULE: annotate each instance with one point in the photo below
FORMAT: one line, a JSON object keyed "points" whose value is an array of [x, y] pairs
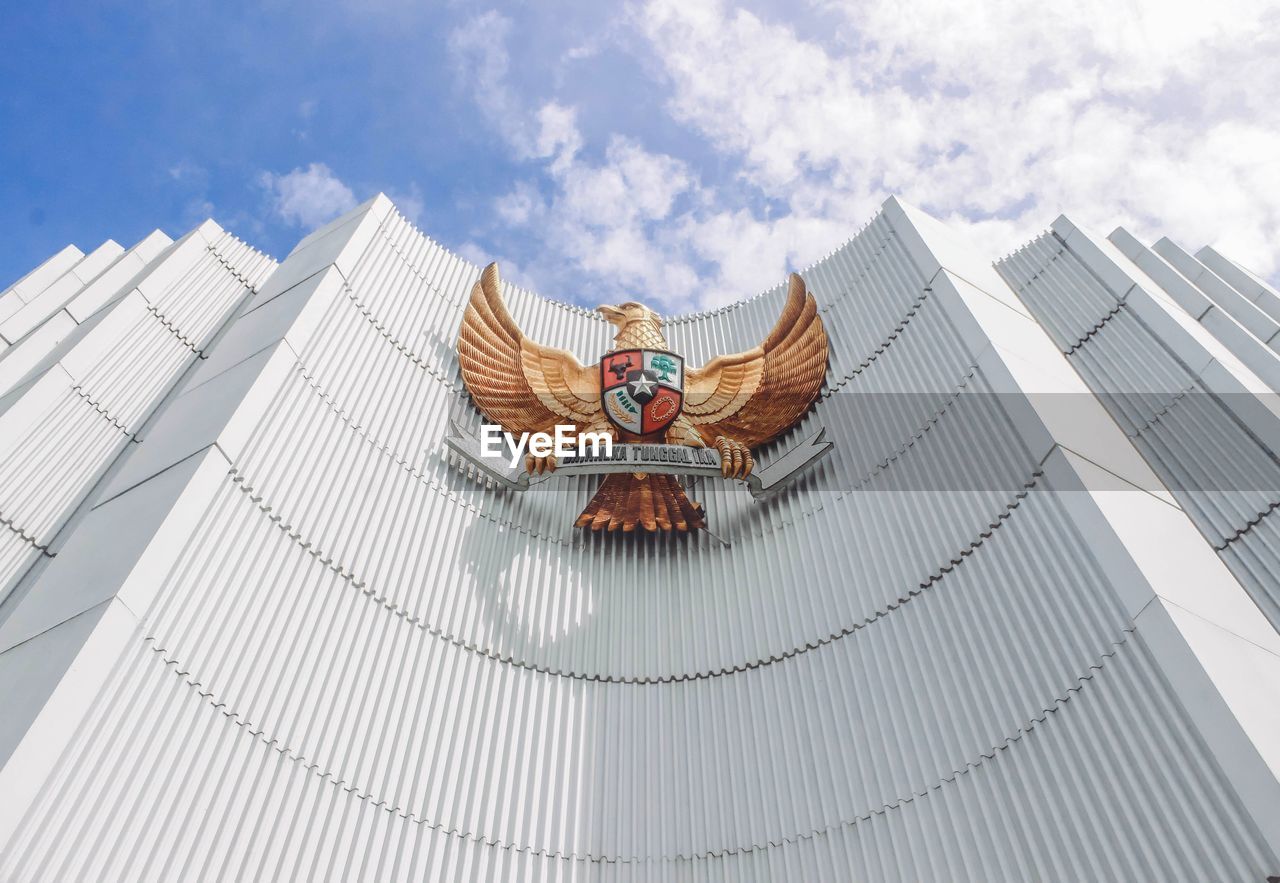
{"points": [[667, 459]]}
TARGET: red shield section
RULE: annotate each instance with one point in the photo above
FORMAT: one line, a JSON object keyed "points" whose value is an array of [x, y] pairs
{"points": [[662, 410]]}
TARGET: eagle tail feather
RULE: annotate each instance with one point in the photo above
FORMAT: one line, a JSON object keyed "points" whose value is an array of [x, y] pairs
{"points": [[650, 502]]}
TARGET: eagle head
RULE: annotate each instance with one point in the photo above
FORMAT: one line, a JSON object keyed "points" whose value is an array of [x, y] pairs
{"points": [[627, 315]]}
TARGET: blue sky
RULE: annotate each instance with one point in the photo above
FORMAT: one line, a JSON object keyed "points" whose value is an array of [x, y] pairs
{"points": [[684, 154]]}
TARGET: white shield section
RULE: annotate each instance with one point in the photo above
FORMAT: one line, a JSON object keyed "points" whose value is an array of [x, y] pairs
{"points": [[624, 411], [668, 368]]}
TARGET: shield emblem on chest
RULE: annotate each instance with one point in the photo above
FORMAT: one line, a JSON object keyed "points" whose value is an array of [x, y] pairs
{"points": [[642, 391]]}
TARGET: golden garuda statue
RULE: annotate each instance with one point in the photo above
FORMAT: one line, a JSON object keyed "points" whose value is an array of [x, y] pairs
{"points": [[641, 393]]}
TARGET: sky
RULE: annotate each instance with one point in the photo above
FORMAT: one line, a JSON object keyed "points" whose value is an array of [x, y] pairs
{"points": [[686, 154]]}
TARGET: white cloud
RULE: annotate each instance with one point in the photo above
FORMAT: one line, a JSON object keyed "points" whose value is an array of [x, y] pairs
{"points": [[188, 172], [600, 217], [307, 197], [989, 115], [478, 51], [1114, 113], [557, 133], [613, 220], [519, 206]]}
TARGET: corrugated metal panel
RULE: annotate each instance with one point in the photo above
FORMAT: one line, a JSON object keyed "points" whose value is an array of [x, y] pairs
{"points": [[18, 550], [51, 469], [364, 665], [1263, 295], [1252, 333], [167, 783], [112, 281], [1219, 471], [56, 296], [134, 355], [19, 293], [1245, 311], [1069, 303], [78, 301], [1254, 557]]}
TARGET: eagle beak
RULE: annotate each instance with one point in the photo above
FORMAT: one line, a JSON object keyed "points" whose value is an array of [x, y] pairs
{"points": [[613, 314]]}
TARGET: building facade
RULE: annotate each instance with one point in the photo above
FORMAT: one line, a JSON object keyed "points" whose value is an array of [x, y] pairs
{"points": [[1021, 624]]}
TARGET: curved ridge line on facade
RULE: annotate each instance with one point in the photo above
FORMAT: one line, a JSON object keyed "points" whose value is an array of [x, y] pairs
{"points": [[452, 495], [101, 410], [521, 528], [41, 547], [1037, 266], [1236, 533], [930, 422], [1058, 703], [174, 330], [404, 259], [233, 268], [395, 342], [1040, 267], [880, 350], [103, 413], [681, 318], [919, 434], [115, 424], [449, 379], [1249, 525], [463, 396], [1160, 412], [438, 632], [449, 301], [1098, 326], [403, 463]]}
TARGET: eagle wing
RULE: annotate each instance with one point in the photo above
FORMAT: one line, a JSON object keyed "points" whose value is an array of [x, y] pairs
{"points": [[520, 384], [755, 396]]}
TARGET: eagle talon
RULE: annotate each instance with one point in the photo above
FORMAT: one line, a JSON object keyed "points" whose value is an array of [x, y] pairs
{"points": [[735, 458], [539, 465]]}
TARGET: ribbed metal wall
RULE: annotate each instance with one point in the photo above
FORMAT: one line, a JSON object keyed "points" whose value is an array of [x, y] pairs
{"points": [[22, 292], [365, 665], [1223, 474], [79, 397], [37, 327]]}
